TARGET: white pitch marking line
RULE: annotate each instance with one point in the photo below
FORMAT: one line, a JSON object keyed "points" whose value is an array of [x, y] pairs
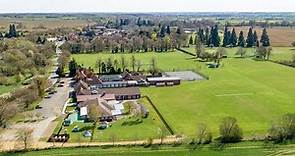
{"points": [[239, 94]]}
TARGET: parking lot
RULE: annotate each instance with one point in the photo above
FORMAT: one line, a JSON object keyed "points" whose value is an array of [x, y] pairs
{"points": [[185, 75]]}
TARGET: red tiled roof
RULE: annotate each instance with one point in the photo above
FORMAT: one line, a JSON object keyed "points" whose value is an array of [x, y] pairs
{"points": [[81, 98]]}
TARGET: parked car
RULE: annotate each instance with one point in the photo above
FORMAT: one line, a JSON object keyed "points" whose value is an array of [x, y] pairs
{"points": [[47, 96], [76, 129], [60, 85], [87, 134]]}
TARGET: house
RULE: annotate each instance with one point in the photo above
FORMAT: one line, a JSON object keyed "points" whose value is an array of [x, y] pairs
{"points": [[164, 81], [114, 84], [113, 77], [84, 109], [128, 93], [135, 76], [104, 96]]}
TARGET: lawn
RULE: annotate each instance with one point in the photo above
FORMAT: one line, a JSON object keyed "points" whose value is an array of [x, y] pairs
{"points": [[277, 53], [254, 92], [6, 89], [240, 149], [149, 128], [165, 61]]}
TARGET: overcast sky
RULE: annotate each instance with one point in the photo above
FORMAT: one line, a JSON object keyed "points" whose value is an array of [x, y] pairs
{"points": [[24, 6]]}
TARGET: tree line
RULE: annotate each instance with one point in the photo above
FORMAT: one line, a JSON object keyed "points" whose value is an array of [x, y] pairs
{"points": [[115, 66], [158, 38], [211, 38]]}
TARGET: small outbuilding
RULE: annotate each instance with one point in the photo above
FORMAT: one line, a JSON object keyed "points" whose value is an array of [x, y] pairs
{"points": [[164, 81]]}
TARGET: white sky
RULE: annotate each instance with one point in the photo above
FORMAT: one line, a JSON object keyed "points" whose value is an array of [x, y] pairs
{"points": [[24, 6]]}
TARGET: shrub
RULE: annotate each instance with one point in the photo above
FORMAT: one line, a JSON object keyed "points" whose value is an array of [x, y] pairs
{"points": [[229, 130], [283, 129]]}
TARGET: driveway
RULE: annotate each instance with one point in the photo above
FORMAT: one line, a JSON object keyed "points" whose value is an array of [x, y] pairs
{"points": [[50, 109]]}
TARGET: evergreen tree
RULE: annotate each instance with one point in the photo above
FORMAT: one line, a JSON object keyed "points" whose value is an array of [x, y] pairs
{"points": [[12, 31], [207, 37], [162, 31], [191, 40], [178, 31], [264, 38], [255, 39], [241, 40], [250, 38], [39, 40], [168, 30], [233, 38], [72, 67], [201, 35], [214, 37], [226, 37]]}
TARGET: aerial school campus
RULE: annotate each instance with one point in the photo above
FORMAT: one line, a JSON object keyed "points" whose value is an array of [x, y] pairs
{"points": [[137, 84]]}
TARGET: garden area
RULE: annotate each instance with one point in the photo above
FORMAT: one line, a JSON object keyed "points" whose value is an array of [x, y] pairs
{"points": [[125, 129]]}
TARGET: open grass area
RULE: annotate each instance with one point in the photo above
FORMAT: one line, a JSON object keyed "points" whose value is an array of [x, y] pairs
{"points": [[277, 53], [240, 149], [6, 89], [254, 92], [167, 61], [149, 128]]}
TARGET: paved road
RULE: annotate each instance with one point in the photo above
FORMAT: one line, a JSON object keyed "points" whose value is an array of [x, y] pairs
{"points": [[50, 109]]}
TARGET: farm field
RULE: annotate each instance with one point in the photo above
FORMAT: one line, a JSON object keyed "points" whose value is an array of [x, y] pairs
{"points": [[149, 128], [47, 23], [167, 61], [254, 92], [279, 36]]}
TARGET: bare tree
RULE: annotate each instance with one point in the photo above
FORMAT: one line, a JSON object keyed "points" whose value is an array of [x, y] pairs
{"points": [[230, 131], [241, 51], [133, 62], [123, 63], [25, 136], [94, 114], [154, 68], [113, 138], [98, 64], [139, 65], [204, 135], [7, 110]]}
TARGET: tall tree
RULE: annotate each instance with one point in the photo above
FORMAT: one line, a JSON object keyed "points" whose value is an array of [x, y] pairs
{"points": [[256, 42], [233, 38], [207, 37], [133, 62], [264, 38], [226, 37], [168, 31], [250, 38], [214, 37], [73, 67], [191, 40], [123, 63], [199, 47], [25, 137], [241, 40], [94, 114], [201, 36]]}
